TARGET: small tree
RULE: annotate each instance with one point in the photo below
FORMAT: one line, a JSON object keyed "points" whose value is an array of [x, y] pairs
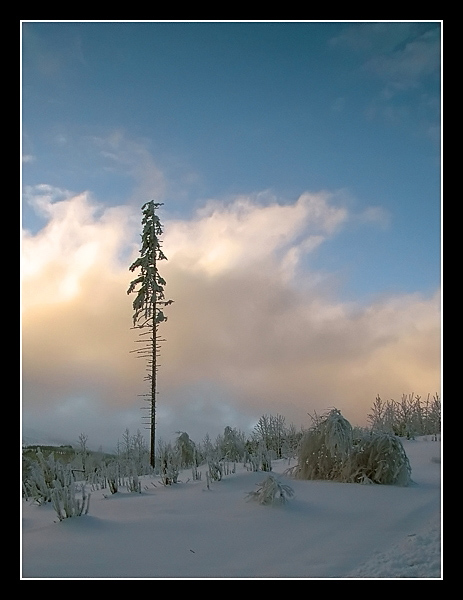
{"points": [[292, 440], [149, 303], [434, 416], [270, 431], [232, 444], [410, 417]]}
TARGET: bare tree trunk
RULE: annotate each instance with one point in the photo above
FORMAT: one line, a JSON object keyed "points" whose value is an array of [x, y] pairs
{"points": [[153, 372]]}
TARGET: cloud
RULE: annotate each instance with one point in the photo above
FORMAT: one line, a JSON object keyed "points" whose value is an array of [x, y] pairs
{"points": [[226, 238], [405, 59], [123, 155], [251, 330], [119, 170]]}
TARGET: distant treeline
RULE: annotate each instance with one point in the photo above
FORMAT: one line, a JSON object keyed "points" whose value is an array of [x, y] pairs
{"points": [[65, 452]]}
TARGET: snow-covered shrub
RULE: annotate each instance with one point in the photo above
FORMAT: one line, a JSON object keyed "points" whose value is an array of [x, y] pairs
{"points": [[270, 433], [213, 456], [215, 469], [132, 450], [139, 453], [383, 415], [264, 457], [259, 457], [409, 417], [39, 477], [132, 483], [169, 461], [113, 485], [231, 444], [329, 451], [228, 467], [324, 448], [271, 491], [111, 475], [291, 441], [378, 458], [48, 480], [184, 449], [196, 475], [252, 464], [69, 500]]}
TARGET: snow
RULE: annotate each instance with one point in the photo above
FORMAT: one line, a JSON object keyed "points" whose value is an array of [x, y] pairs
{"points": [[188, 530]]}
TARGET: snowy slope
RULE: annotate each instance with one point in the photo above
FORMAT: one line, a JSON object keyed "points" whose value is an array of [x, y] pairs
{"points": [[328, 530]]}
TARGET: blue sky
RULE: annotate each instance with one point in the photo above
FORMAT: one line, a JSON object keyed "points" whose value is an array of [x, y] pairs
{"points": [[226, 123]]}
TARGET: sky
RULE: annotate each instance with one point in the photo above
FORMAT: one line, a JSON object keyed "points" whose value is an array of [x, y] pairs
{"points": [[326, 530], [299, 169]]}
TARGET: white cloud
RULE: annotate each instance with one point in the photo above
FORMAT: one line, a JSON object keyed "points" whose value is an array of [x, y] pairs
{"points": [[242, 233], [250, 331], [41, 198], [75, 240]]}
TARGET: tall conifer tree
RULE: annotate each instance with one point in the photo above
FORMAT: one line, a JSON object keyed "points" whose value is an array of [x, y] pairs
{"points": [[149, 304]]}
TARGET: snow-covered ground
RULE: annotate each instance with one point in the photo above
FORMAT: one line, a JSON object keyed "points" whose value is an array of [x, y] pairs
{"points": [[187, 531]]}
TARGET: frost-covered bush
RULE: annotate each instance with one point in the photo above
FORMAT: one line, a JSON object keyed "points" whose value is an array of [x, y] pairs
{"points": [[48, 480], [378, 458], [271, 491], [291, 441], [215, 469], [132, 482], [409, 417], [213, 456], [196, 475], [39, 476], [231, 445], [132, 450], [69, 500], [259, 457], [111, 474], [185, 450], [329, 451], [324, 448], [270, 433], [169, 463]]}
